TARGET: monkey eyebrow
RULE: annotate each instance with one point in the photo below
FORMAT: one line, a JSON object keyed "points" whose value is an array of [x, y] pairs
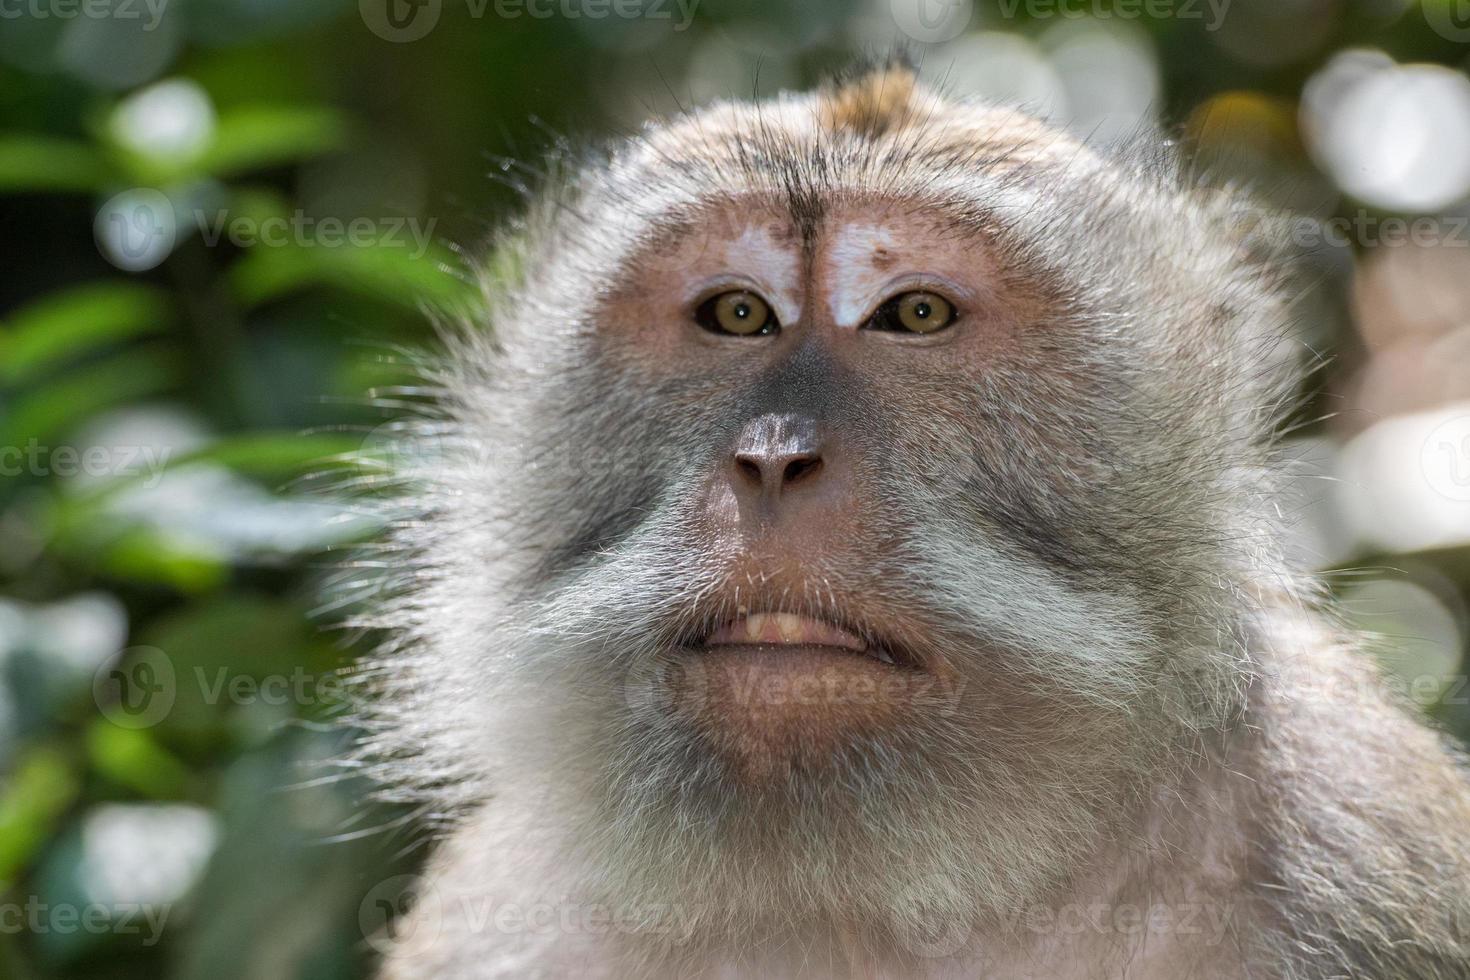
{"points": [[848, 262], [756, 252], [742, 252], [783, 304], [857, 283]]}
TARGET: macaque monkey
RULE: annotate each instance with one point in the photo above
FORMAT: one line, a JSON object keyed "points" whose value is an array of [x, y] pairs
{"points": [[847, 549]]}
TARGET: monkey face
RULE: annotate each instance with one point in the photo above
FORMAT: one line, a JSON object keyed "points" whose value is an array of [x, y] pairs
{"points": [[812, 548], [844, 500], [824, 374]]}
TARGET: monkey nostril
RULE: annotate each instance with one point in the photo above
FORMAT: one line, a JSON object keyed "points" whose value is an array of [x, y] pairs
{"points": [[800, 467], [750, 469], [776, 469]]}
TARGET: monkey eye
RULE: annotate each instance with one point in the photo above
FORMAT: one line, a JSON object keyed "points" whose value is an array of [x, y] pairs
{"points": [[739, 312], [913, 312]]}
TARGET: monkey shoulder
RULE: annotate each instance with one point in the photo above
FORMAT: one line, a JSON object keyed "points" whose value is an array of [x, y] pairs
{"points": [[1360, 853]]}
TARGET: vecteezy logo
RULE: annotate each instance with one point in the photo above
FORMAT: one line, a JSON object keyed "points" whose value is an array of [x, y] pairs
{"points": [[136, 230], [929, 933], [397, 910], [400, 21], [667, 686], [137, 689], [1445, 458], [931, 21], [1449, 18], [1245, 228]]}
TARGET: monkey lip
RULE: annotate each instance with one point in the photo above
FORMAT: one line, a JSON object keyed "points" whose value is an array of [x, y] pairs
{"points": [[773, 631], [770, 689]]}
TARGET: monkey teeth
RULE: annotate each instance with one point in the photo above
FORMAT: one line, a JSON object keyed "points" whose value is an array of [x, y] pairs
{"points": [[790, 629]]}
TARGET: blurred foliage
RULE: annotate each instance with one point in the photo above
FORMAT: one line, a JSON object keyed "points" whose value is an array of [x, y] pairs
{"points": [[227, 370]]}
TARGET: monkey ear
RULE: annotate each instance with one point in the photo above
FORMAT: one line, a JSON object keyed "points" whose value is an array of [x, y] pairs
{"points": [[870, 100]]}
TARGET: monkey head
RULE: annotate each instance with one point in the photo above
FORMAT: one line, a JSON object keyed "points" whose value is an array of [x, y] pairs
{"points": [[846, 504]]}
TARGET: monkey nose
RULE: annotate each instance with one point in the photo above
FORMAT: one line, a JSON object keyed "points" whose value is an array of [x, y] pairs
{"points": [[775, 453], [773, 472]]}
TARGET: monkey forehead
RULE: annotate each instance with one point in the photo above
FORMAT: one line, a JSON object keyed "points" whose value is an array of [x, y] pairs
{"points": [[749, 224], [782, 150], [978, 169]]}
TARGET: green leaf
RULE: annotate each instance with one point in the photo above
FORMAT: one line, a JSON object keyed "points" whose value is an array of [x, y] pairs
{"points": [[380, 272], [255, 137], [75, 321], [36, 794], [275, 454], [131, 757], [44, 163], [64, 402], [81, 534], [144, 555]]}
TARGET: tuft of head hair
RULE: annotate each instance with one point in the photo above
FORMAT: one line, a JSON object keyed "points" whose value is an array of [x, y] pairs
{"points": [[871, 101]]}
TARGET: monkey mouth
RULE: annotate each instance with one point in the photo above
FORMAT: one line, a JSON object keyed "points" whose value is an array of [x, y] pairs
{"points": [[769, 689], [777, 632]]}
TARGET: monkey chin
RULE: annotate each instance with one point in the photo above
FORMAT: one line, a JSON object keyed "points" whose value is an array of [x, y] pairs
{"points": [[768, 708]]}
